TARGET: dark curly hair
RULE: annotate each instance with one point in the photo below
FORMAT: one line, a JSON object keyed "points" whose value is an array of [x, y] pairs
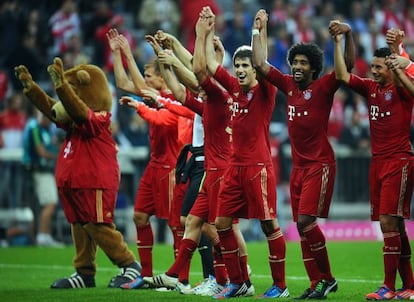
{"points": [[382, 52], [312, 52]]}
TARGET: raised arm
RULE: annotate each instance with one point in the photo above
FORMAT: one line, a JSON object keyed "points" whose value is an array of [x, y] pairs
{"points": [[169, 41], [259, 43], [394, 63], [121, 78], [208, 27], [341, 71], [339, 28], [136, 76], [169, 76], [199, 58], [183, 74]]}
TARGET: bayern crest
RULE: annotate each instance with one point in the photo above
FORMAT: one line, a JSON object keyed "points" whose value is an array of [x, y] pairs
{"points": [[307, 94], [388, 95]]}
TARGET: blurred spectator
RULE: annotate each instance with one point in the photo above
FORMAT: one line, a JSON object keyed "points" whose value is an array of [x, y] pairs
{"points": [[356, 135], [278, 15], [278, 46], [75, 46], [389, 15], [137, 131], [237, 30], [337, 116], [12, 123], [189, 16], [116, 22], [161, 14], [11, 24], [409, 28], [101, 15], [26, 53], [39, 158], [64, 23], [4, 87]]}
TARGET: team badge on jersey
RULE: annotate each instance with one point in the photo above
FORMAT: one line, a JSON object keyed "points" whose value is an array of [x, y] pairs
{"points": [[388, 95], [249, 95], [307, 94]]}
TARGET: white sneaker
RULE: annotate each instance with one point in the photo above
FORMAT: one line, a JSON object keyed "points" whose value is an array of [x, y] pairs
{"points": [[199, 287], [212, 289], [184, 289], [48, 241], [162, 281], [250, 291], [208, 287]]}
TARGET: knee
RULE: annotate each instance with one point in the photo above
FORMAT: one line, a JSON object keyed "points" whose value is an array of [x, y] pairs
{"points": [[140, 219], [303, 222]]}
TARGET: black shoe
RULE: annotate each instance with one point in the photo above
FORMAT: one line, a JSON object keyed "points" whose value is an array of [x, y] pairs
{"points": [[305, 295], [323, 288], [75, 281], [127, 274]]}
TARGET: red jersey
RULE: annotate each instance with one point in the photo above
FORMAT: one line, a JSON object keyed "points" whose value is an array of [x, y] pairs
{"points": [[308, 115], [390, 109], [216, 123], [251, 115], [88, 157], [185, 120], [163, 133]]}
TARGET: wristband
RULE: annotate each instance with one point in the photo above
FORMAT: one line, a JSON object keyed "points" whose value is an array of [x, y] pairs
{"points": [[255, 31]]}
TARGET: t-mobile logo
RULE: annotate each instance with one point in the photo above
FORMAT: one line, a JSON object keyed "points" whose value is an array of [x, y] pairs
{"points": [[67, 149], [291, 112], [376, 113]]}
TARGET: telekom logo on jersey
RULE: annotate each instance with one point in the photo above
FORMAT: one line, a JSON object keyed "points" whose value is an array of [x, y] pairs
{"points": [[292, 112], [376, 113]]}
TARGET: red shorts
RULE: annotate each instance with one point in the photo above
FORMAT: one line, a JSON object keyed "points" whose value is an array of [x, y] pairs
{"points": [[205, 205], [311, 190], [391, 187], [248, 192], [88, 205], [155, 191], [177, 203]]}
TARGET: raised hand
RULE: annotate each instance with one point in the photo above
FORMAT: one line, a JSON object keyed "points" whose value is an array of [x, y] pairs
{"points": [[260, 19], [164, 39], [124, 45], [56, 71], [112, 36], [394, 38], [153, 42], [24, 76], [166, 57], [395, 62]]}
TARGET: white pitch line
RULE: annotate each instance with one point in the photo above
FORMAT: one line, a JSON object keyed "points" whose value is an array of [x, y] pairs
{"points": [[107, 269]]}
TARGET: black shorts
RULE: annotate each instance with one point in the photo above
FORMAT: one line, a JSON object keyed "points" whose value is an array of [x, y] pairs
{"points": [[195, 177]]}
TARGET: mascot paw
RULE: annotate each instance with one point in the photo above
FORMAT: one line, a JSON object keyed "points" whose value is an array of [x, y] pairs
{"points": [[56, 71], [24, 76]]}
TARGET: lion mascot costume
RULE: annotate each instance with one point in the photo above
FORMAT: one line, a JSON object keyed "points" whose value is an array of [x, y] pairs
{"points": [[87, 171]]}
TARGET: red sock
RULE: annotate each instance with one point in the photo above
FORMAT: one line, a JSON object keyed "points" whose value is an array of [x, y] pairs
{"points": [[277, 257], [230, 252], [243, 266], [310, 264], [219, 267], [178, 233], [405, 267], [145, 242], [391, 254], [187, 248], [316, 240]]}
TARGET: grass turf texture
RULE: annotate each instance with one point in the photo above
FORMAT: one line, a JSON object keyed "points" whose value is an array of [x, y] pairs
{"points": [[26, 273]]}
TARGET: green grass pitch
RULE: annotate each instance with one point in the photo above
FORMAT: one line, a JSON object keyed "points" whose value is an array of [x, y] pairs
{"points": [[27, 272]]}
